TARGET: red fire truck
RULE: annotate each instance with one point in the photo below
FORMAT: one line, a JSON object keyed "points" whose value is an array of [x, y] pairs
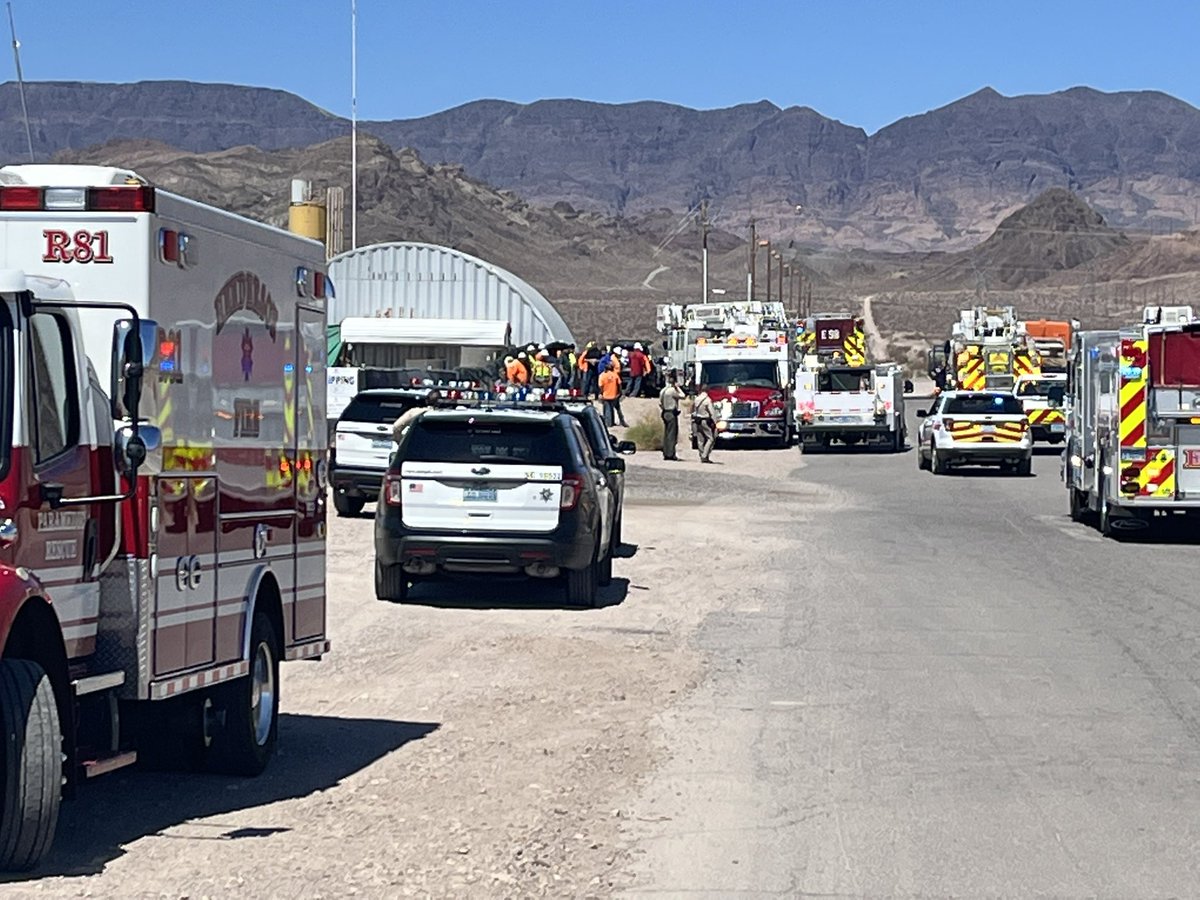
{"points": [[162, 506]]}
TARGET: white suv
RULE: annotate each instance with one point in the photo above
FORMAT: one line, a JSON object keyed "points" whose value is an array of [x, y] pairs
{"points": [[363, 445], [979, 428]]}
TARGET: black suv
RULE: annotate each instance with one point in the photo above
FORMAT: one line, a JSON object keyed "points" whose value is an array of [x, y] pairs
{"points": [[605, 447], [496, 491]]}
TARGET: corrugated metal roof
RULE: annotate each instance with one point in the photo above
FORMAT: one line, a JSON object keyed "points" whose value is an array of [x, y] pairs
{"points": [[467, 333], [425, 281]]}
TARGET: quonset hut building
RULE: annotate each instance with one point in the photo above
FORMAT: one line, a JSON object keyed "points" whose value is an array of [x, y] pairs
{"points": [[408, 280]]}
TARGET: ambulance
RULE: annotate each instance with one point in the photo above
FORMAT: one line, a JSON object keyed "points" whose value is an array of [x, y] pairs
{"points": [[162, 486]]}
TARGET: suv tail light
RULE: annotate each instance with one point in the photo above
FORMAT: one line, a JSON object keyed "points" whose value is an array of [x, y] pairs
{"points": [[572, 489], [1025, 423], [393, 490]]}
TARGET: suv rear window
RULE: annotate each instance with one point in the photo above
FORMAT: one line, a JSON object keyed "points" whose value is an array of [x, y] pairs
{"points": [[377, 410], [461, 441], [984, 404]]}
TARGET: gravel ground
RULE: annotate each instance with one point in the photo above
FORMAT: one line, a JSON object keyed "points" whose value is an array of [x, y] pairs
{"points": [[482, 740]]}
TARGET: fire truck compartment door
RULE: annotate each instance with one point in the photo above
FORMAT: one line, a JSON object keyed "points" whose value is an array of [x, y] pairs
{"points": [[185, 603], [481, 497]]}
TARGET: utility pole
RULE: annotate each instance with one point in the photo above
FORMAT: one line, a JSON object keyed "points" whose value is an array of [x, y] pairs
{"points": [[752, 262], [16, 45], [704, 245], [353, 124]]}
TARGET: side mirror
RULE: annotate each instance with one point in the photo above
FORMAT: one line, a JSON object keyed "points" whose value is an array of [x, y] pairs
{"points": [[614, 464], [130, 450], [627, 447], [132, 351], [908, 386], [922, 413]]}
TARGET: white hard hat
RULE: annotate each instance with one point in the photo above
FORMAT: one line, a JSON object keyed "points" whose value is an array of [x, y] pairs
{"points": [[637, 346]]}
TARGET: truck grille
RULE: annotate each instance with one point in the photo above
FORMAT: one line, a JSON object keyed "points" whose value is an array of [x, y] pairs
{"points": [[747, 410]]}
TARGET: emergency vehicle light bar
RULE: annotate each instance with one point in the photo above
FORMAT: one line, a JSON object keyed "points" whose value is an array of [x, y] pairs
{"points": [[121, 198]]}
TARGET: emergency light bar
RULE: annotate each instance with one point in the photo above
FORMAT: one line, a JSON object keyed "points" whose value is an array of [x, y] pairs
{"points": [[121, 198]]}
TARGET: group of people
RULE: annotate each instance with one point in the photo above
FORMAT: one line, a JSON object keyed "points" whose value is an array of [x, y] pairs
{"points": [[563, 367], [610, 373], [704, 419]]}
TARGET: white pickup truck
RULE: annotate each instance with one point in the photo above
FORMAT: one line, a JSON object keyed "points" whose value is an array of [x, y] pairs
{"points": [[850, 404]]}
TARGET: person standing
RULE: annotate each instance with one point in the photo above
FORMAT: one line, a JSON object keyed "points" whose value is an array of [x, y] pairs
{"points": [[591, 381], [610, 395], [704, 424], [637, 371], [668, 404]]}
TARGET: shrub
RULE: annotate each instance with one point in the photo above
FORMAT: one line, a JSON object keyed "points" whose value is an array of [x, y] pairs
{"points": [[646, 432]]}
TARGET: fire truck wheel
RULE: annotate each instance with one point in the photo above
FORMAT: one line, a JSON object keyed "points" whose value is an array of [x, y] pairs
{"points": [[31, 769], [348, 507], [1079, 507], [582, 584], [1105, 519], [246, 743], [391, 584]]}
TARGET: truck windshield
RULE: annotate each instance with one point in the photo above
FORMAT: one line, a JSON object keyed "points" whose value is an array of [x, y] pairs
{"points": [[1036, 388], [983, 405], [844, 381], [748, 373]]}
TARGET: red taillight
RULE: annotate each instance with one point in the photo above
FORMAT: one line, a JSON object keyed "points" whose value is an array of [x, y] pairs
{"points": [[168, 245], [572, 490], [21, 198], [1024, 424], [392, 490], [121, 199]]}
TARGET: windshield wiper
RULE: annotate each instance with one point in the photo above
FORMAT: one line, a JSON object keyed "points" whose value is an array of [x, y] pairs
{"points": [[500, 458]]}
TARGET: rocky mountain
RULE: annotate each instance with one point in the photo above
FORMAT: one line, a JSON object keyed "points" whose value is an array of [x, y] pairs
{"points": [[940, 180], [605, 274], [1056, 233]]}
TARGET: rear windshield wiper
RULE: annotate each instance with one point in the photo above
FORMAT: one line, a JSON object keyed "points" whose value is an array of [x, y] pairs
{"points": [[500, 458]]}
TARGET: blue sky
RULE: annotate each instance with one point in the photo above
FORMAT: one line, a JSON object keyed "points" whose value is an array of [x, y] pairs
{"points": [[865, 63]]}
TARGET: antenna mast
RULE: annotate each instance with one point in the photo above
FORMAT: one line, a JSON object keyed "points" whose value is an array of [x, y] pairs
{"points": [[16, 45], [353, 124]]}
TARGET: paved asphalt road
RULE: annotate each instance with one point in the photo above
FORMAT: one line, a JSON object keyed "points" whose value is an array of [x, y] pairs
{"points": [[953, 691]]}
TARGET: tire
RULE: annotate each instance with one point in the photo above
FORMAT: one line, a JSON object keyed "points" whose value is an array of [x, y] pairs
{"points": [[1104, 521], [1024, 468], [348, 507], [245, 742], [1078, 504], [605, 576], [616, 532], [922, 462], [936, 463], [898, 441], [31, 770], [582, 584], [391, 584]]}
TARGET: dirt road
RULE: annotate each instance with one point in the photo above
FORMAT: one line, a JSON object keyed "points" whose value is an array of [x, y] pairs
{"points": [[482, 740]]}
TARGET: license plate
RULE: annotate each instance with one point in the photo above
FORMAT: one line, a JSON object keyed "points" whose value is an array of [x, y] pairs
{"points": [[1191, 459], [380, 444], [989, 429], [1057, 428], [479, 495]]}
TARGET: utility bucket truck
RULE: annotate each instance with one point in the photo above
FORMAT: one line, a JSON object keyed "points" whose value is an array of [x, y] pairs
{"points": [[738, 352], [162, 484]]}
